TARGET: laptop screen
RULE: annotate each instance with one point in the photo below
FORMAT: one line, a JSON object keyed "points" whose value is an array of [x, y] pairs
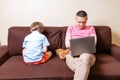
{"points": [[82, 45]]}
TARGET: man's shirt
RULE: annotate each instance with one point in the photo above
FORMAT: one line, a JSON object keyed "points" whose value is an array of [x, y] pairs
{"points": [[75, 32]]}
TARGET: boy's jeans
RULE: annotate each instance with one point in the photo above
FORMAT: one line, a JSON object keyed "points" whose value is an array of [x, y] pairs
{"points": [[80, 65]]}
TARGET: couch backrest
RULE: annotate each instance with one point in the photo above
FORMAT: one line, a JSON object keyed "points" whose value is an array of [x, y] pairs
{"points": [[104, 39], [56, 37], [16, 36]]}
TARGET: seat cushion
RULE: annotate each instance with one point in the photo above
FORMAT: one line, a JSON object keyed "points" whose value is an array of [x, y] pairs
{"points": [[54, 69], [105, 68]]}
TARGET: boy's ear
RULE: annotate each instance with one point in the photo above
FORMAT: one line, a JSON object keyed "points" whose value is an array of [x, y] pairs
{"points": [[41, 30]]}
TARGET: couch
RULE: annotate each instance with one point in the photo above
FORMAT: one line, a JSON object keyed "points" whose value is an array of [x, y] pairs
{"points": [[12, 66]]}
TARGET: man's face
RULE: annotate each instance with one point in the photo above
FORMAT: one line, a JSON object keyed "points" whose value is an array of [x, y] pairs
{"points": [[81, 21]]}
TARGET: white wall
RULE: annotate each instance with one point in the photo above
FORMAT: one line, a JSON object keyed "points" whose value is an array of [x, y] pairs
{"points": [[58, 13]]}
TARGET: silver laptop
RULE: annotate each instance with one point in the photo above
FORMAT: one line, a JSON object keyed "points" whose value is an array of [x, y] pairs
{"points": [[82, 45]]}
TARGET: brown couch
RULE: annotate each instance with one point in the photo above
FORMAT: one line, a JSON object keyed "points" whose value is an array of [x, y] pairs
{"points": [[12, 67]]}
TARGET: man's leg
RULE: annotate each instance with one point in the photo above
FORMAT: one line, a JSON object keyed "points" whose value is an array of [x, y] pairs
{"points": [[84, 63], [71, 62]]}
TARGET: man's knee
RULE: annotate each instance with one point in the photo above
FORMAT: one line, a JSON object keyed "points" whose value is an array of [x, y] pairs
{"points": [[87, 58]]}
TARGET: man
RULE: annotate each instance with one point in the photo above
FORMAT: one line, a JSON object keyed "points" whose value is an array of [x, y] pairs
{"points": [[80, 65]]}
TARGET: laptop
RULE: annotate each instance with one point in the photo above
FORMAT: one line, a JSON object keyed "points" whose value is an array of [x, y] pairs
{"points": [[82, 45]]}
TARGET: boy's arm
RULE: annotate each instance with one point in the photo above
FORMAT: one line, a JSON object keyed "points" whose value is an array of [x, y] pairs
{"points": [[45, 49], [45, 44]]}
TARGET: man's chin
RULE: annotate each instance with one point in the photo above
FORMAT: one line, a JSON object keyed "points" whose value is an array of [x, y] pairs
{"points": [[82, 27]]}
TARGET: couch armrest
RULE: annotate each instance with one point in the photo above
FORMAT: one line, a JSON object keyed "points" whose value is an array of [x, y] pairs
{"points": [[115, 51], [4, 55]]}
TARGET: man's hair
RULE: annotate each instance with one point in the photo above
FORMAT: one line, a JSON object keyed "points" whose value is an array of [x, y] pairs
{"points": [[81, 13], [37, 26]]}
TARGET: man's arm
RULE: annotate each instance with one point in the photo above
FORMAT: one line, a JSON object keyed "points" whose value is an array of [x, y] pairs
{"points": [[95, 39], [93, 33], [67, 40]]}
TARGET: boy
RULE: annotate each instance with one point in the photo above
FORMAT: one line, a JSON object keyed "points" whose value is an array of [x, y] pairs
{"points": [[35, 45]]}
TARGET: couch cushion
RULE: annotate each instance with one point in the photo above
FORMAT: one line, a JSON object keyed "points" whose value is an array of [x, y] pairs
{"points": [[105, 68], [16, 36], [15, 39], [103, 38], [54, 36], [54, 69]]}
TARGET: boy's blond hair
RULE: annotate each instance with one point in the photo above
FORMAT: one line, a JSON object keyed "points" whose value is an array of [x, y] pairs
{"points": [[37, 26]]}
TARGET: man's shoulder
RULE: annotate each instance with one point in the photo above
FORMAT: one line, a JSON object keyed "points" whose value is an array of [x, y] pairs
{"points": [[86, 26], [90, 27], [71, 25]]}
